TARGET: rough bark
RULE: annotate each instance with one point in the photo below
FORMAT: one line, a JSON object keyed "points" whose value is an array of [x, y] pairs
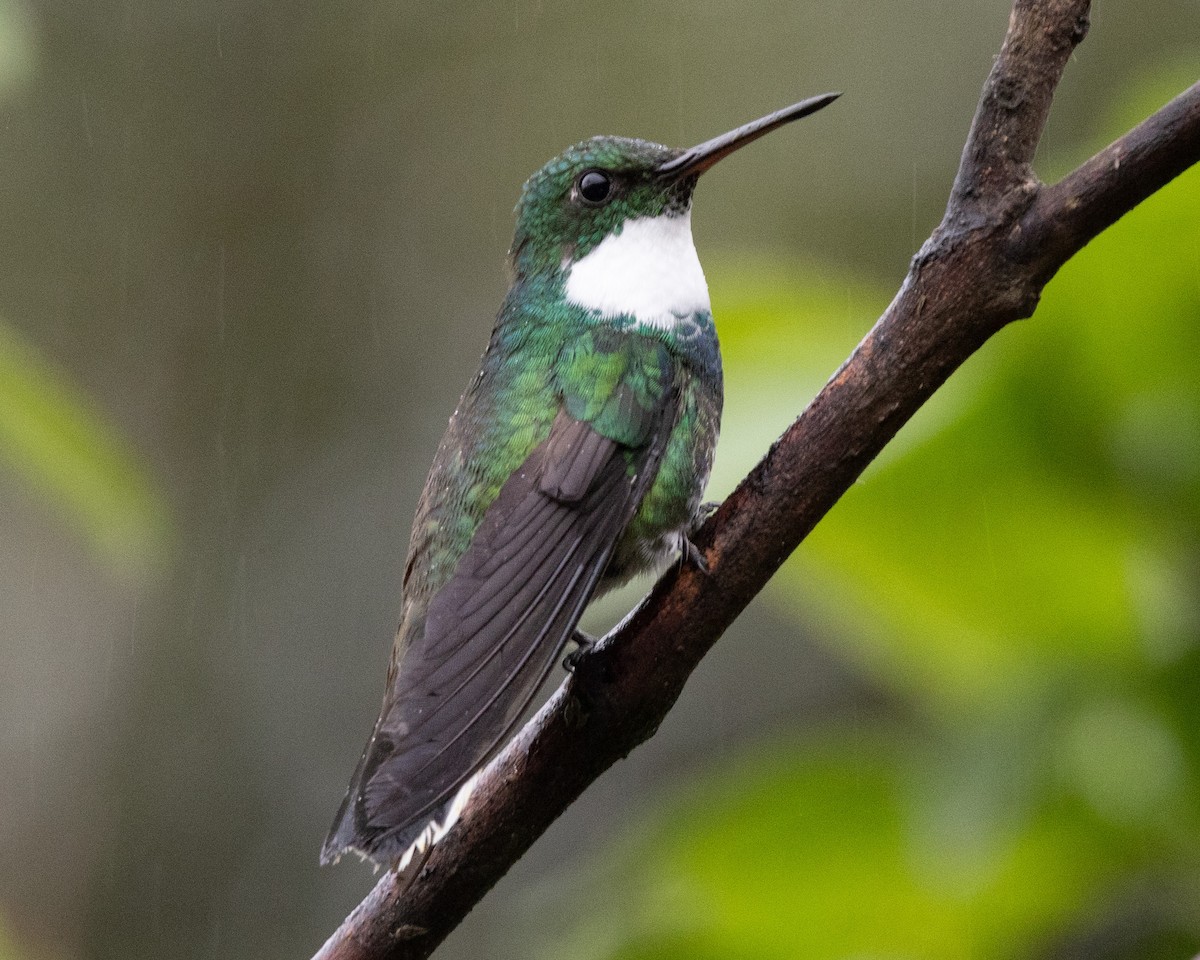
{"points": [[1004, 235]]}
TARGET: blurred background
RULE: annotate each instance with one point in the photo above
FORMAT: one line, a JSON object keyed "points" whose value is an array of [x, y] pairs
{"points": [[249, 256]]}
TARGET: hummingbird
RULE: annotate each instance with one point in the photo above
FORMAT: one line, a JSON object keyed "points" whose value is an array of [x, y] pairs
{"points": [[576, 459]]}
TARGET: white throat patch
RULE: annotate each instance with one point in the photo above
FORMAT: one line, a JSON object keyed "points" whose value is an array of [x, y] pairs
{"points": [[649, 271]]}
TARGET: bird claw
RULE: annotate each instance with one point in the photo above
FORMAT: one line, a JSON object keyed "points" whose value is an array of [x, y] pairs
{"points": [[690, 553], [583, 646]]}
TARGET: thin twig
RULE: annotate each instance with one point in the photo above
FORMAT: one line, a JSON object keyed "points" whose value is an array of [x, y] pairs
{"points": [[1003, 236]]}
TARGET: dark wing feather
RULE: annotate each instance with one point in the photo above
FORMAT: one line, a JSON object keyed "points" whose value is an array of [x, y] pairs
{"points": [[494, 632]]}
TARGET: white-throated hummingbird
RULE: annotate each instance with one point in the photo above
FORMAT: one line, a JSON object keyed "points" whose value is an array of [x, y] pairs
{"points": [[576, 459]]}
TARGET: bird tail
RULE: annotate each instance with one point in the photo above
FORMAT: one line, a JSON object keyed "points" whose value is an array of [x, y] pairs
{"points": [[394, 846]]}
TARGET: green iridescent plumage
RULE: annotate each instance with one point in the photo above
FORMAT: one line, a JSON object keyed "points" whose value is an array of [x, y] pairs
{"points": [[576, 459], [648, 396], [549, 231], [603, 376]]}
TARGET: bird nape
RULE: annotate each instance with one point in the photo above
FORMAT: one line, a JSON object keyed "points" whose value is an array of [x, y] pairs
{"points": [[576, 459]]}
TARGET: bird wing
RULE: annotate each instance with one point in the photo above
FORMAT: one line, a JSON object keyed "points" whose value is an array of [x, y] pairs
{"points": [[494, 631]]}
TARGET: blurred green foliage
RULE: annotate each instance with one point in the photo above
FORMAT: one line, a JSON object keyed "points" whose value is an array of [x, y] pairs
{"points": [[16, 45], [52, 433], [77, 461], [1020, 574], [8, 949]]}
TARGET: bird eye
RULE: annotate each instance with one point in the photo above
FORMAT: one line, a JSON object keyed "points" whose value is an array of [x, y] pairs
{"points": [[595, 186]]}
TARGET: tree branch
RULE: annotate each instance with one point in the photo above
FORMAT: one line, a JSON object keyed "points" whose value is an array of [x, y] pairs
{"points": [[1004, 235], [1071, 212]]}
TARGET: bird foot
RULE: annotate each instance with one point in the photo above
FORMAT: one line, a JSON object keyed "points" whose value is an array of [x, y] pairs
{"points": [[583, 646], [690, 553]]}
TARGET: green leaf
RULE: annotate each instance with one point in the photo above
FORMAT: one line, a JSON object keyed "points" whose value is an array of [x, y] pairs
{"points": [[77, 462], [820, 854]]}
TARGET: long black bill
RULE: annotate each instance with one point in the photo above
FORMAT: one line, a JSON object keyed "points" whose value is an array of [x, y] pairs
{"points": [[695, 161]]}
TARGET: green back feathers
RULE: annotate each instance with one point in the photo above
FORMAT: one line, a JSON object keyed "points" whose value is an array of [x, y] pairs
{"points": [[615, 382]]}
